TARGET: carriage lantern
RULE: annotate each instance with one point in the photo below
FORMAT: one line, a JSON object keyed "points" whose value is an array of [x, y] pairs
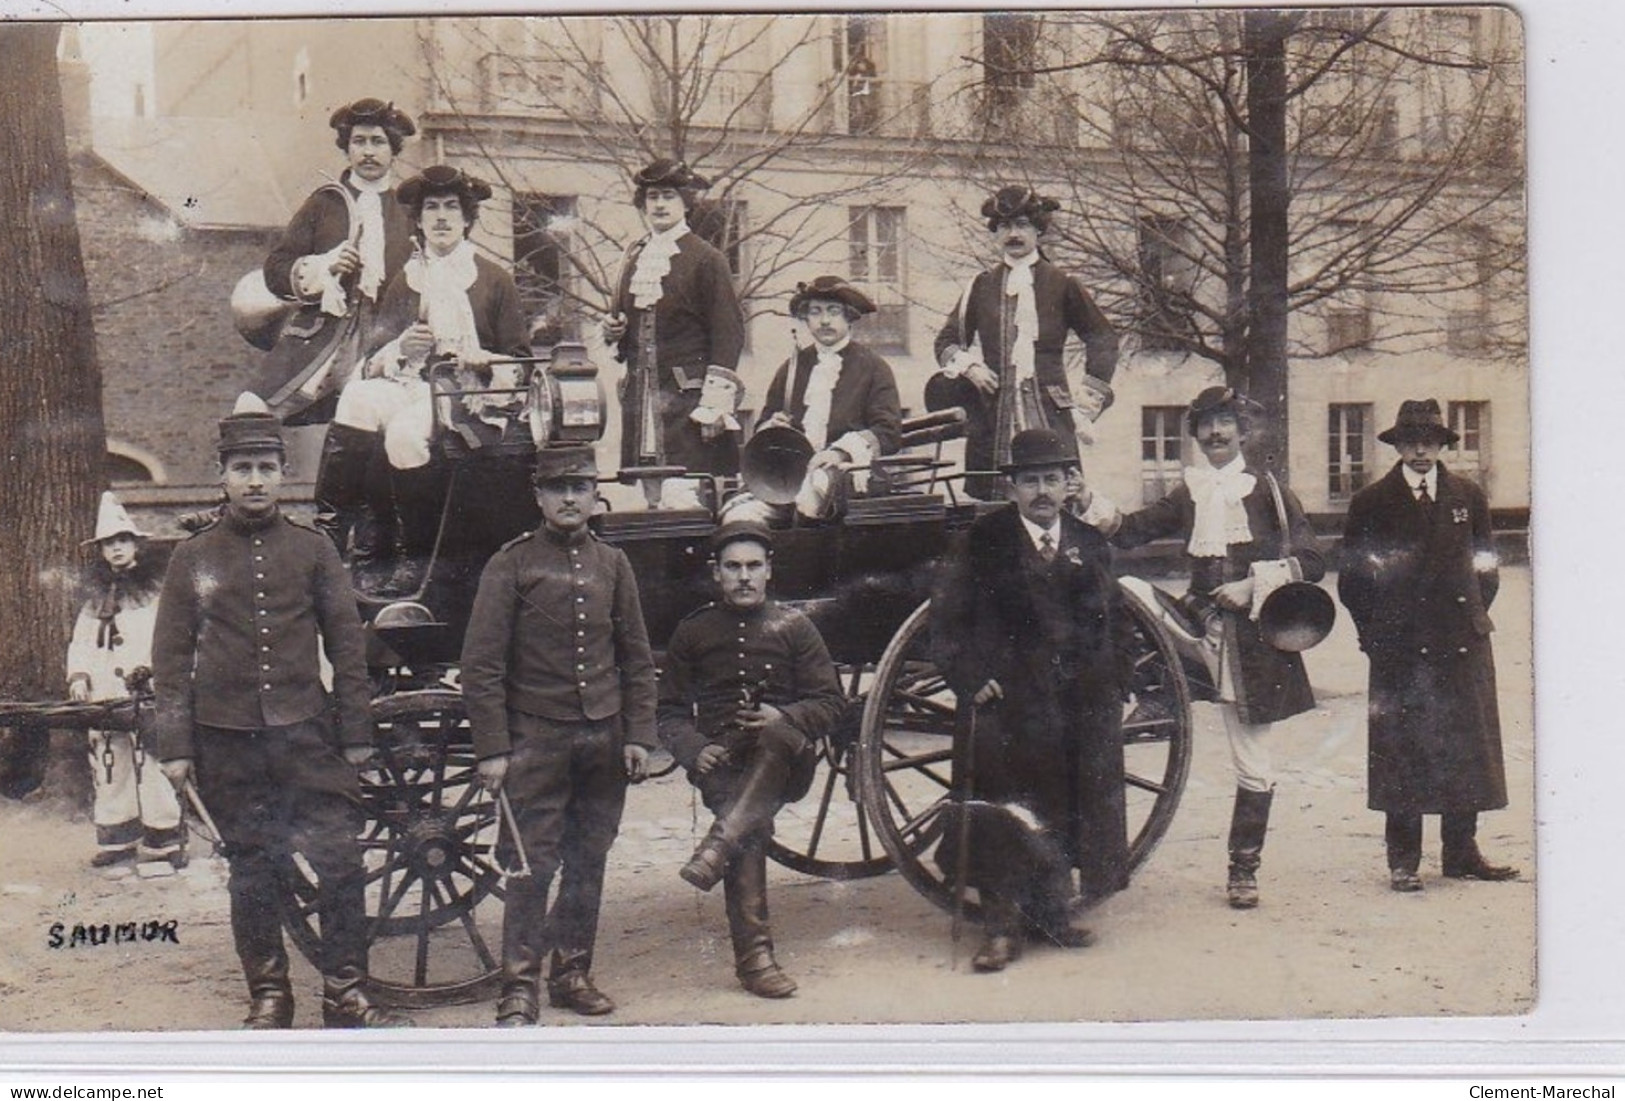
{"points": [[566, 401]]}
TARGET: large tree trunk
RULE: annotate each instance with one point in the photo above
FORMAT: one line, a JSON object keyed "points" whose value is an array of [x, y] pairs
{"points": [[52, 441], [1264, 39]]}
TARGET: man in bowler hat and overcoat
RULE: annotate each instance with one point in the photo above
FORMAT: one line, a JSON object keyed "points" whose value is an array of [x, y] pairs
{"points": [[1418, 575], [1028, 629]]}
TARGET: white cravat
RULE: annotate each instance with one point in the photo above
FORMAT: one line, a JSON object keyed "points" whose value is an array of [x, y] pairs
{"points": [[1221, 518], [369, 206], [654, 262], [820, 393], [443, 283], [1019, 285]]}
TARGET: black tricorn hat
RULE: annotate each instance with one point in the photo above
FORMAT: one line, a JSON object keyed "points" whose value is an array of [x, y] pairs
{"points": [[1017, 202], [442, 179], [831, 288], [555, 464], [373, 112], [942, 392], [1035, 447], [1220, 399], [666, 172], [1419, 420], [735, 531]]}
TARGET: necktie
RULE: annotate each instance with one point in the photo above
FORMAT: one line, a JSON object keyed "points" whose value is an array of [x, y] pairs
{"points": [[1424, 498], [1046, 548]]}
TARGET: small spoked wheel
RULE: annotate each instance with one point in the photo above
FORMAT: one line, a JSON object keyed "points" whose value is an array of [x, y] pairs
{"points": [[431, 872], [905, 751]]}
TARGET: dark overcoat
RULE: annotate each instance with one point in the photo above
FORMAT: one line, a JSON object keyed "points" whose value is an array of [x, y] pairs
{"points": [[1418, 583], [864, 400], [1271, 684], [697, 324], [1055, 637]]}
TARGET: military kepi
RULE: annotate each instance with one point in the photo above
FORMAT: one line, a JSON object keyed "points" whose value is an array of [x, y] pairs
{"points": [[251, 427], [555, 464]]}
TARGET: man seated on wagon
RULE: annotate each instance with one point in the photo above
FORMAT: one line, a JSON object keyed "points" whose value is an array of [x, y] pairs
{"points": [[747, 690], [837, 392]]}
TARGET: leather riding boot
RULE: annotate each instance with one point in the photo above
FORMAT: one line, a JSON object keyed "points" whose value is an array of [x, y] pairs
{"points": [[744, 887], [1249, 821], [341, 479], [1001, 933], [346, 1005], [569, 985], [523, 916], [1461, 858], [418, 505], [755, 801], [264, 956]]}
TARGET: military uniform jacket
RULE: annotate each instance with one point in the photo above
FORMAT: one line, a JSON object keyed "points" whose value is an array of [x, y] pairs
{"points": [[322, 223], [245, 605], [698, 323], [718, 653], [557, 632], [499, 319], [1418, 585], [864, 399]]}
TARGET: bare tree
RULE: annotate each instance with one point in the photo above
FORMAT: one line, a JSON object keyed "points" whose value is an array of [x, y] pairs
{"points": [[51, 433]]}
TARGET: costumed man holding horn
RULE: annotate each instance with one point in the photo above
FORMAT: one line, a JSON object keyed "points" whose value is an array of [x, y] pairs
{"points": [[1418, 575], [837, 392], [1028, 629], [447, 301], [1245, 535], [135, 810], [560, 685], [1018, 315], [677, 325], [747, 691], [246, 603]]}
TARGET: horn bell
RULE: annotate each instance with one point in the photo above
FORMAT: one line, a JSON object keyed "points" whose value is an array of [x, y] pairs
{"points": [[1297, 616], [774, 462]]}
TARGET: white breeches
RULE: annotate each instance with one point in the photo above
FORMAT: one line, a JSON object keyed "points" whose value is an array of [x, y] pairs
{"points": [[400, 408], [129, 789], [1249, 750]]}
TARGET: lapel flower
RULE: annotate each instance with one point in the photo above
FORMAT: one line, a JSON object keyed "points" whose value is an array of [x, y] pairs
{"points": [[1458, 516], [1074, 556]]}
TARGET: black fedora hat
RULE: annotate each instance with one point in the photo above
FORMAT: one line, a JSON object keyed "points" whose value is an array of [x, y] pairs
{"points": [[830, 288], [667, 172], [1016, 201], [442, 179], [373, 112], [1418, 420], [1220, 399], [1038, 447]]}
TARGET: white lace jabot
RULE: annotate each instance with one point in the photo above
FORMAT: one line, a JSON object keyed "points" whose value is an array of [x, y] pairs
{"points": [[1221, 518]]}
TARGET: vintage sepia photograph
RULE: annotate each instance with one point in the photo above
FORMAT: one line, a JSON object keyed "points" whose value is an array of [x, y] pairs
{"points": [[846, 518]]}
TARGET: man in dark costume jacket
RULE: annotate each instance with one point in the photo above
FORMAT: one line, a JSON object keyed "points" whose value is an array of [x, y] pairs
{"points": [[1418, 576], [1020, 314], [1028, 629]]}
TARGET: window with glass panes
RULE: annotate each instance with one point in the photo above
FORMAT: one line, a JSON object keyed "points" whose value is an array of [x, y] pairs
{"points": [[1348, 449], [1162, 442], [878, 265], [1469, 454]]}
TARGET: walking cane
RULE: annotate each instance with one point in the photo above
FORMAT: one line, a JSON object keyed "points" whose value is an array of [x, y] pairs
{"points": [[523, 870], [202, 812], [962, 871]]}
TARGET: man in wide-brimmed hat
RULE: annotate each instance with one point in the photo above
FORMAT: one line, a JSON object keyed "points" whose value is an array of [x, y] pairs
{"points": [[1418, 575], [1001, 349], [836, 391], [675, 314], [1028, 630], [247, 603], [747, 692], [560, 686]]}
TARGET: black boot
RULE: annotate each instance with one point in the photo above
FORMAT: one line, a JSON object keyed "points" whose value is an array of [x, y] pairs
{"points": [[1249, 820], [744, 887], [341, 486], [419, 500], [1461, 858], [346, 1005], [523, 915], [1402, 838], [1001, 933], [569, 985], [258, 937], [756, 800]]}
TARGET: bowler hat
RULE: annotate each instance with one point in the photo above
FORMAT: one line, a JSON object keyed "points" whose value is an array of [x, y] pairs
{"points": [[1036, 447], [829, 288], [1220, 399], [555, 464], [373, 112], [1009, 203], [442, 179], [666, 172], [251, 426], [1419, 420], [735, 531]]}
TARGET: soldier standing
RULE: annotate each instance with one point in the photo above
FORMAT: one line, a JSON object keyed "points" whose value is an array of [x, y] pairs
{"points": [[560, 684], [747, 691], [245, 604]]}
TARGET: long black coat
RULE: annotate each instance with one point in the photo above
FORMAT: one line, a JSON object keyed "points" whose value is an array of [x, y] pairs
{"points": [[1273, 684], [1419, 585], [1055, 637]]}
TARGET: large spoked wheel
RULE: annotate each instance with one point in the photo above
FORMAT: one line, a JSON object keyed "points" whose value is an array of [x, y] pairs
{"points": [[828, 833], [430, 867], [905, 751]]}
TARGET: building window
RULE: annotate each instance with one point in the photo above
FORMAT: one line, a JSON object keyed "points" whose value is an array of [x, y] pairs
{"points": [[878, 265], [1348, 328], [1468, 456], [1162, 440], [1167, 278], [541, 265], [722, 223], [1009, 60], [1348, 450]]}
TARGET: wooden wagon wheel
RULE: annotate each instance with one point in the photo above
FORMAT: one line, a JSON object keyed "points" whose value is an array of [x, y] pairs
{"points": [[906, 748], [431, 873]]}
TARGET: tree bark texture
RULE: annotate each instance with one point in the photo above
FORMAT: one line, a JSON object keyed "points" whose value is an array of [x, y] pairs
{"points": [[1264, 37]]}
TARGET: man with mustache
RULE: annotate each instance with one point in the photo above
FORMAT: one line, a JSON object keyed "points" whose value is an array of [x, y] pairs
{"points": [[1018, 314], [560, 686], [1418, 576], [747, 691], [1028, 630]]}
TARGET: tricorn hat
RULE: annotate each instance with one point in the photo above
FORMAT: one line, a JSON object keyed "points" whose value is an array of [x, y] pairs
{"points": [[251, 427], [555, 464], [1036, 447], [1419, 420], [1008, 203], [666, 172], [111, 520], [1220, 399], [943, 392], [736, 530], [373, 112], [442, 179], [831, 288]]}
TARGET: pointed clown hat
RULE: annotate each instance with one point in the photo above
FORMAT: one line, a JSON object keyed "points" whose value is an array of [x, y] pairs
{"points": [[111, 520]]}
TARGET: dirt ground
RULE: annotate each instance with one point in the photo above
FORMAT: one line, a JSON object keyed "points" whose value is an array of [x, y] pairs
{"points": [[1329, 940]]}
